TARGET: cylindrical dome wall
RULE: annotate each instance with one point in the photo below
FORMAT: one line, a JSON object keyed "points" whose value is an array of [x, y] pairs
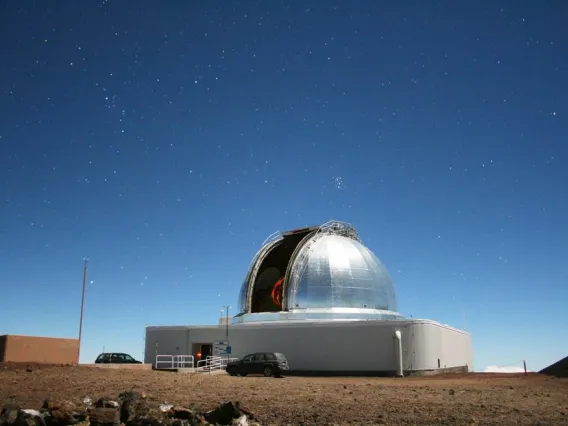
{"points": [[322, 273]]}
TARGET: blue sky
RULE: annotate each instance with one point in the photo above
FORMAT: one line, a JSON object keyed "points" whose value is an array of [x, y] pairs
{"points": [[167, 142]]}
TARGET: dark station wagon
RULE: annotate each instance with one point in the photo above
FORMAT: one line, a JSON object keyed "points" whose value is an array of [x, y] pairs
{"points": [[116, 358], [270, 364]]}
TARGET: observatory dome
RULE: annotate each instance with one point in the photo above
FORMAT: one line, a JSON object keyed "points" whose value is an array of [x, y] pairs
{"points": [[335, 271], [321, 272]]}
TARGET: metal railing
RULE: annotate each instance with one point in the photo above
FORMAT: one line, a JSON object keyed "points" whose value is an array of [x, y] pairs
{"points": [[174, 361], [212, 363], [186, 361], [225, 361]]}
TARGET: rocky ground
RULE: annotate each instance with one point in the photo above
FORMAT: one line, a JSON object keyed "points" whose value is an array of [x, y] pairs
{"points": [[149, 397]]}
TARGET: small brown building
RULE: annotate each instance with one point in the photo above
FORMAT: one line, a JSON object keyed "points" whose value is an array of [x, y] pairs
{"points": [[42, 350]]}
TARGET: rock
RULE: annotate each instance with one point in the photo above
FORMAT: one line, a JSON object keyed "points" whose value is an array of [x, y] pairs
{"points": [[182, 416], [129, 396], [9, 414], [105, 402], [241, 421], [29, 418], [31, 412], [137, 412], [223, 414], [452, 392], [133, 410], [246, 410], [132, 407], [182, 422], [145, 421], [183, 413], [104, 416], [63, 413]]}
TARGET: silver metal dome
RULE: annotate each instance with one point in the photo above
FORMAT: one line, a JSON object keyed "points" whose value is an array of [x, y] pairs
{"points": [[321, 272], [335, 271]]}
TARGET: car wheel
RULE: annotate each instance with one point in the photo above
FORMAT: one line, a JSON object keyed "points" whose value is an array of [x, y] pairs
{"points": [[267, 371]]}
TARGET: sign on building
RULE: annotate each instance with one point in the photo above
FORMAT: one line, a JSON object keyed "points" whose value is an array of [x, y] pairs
{"points": [[220, 348]]}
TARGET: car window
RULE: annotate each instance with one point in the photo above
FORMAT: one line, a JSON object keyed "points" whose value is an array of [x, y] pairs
{"points": [[258, 357], [270, 357], [100, 357], [248, 358], [128, 358], [117, 358]]}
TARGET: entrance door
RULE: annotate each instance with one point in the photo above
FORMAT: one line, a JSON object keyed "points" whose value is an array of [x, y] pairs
{"points": [[197, 355], [200, 352], [206, 350]]}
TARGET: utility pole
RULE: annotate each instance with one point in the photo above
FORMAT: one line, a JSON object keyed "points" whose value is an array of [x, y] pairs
{"points": [[226, 309], [82, 309]]}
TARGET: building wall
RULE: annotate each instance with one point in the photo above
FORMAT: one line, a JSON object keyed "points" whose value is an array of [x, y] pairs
{"points": [[329, 346], [165, 341], [44, 350], [427, 342], [178, 340], [321, 346]]}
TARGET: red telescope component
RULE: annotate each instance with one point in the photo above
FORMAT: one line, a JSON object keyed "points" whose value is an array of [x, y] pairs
{"points": [[277, 292]]}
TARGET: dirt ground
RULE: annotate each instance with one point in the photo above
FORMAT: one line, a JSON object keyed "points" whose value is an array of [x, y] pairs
{"points": [[484, 399]]}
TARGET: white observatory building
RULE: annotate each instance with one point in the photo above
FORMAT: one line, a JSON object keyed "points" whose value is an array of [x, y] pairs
{"points": [[323, 299]]}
